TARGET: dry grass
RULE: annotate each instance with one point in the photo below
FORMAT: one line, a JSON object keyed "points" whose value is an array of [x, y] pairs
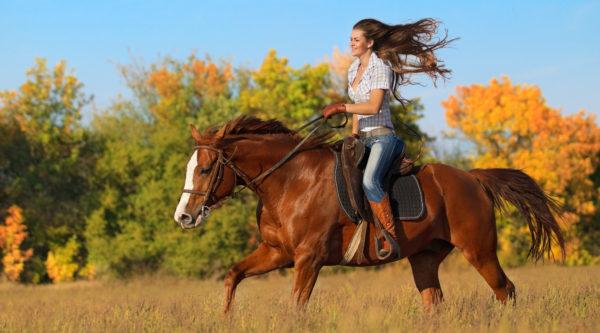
{"points": [[550, 299]]}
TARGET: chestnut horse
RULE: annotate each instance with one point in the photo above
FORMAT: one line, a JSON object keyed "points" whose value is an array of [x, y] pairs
{"points": [[303, 226]]}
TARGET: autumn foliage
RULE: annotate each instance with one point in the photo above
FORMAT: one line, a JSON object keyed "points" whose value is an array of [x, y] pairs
{"points": [[61, 264], [98, 197], [512, 127], [12, 235]]}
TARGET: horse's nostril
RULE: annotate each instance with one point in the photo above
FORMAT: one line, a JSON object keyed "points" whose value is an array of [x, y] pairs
{"points": [[186, 218]]}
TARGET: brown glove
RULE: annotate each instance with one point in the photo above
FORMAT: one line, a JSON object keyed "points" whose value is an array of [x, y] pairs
{"points": [[332, 109]]}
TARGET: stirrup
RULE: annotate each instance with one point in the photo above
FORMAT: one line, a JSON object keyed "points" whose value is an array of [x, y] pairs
{"points": [[384, 254]]}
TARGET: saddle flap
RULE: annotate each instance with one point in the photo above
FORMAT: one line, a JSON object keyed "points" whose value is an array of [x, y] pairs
{"points": [[353, 151], [353, 154]]}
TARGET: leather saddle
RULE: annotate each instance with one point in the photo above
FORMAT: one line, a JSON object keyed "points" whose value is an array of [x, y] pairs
{"points": [[351, 160]]}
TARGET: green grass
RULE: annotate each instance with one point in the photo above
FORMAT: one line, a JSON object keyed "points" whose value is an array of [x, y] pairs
{"points": [[549, 299]]}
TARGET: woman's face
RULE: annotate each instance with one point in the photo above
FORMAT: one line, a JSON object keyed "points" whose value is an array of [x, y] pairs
{"points": [[359, 43]]}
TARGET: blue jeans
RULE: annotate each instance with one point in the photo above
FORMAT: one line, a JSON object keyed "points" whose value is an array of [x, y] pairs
{"points": [[383, 151]]}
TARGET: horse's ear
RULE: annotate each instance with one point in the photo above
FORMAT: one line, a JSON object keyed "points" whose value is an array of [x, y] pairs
{"points": [[195, 134], [221, 132]]}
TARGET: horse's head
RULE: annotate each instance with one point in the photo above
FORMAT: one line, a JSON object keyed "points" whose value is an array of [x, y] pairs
{"points": [[208, 180]]}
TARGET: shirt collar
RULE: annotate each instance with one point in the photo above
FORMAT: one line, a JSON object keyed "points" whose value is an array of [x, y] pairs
{"points": [[372, 59]]}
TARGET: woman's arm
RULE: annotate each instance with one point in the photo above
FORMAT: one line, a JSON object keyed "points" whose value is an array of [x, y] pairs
{"points": [[367, 108], [354, 124]]}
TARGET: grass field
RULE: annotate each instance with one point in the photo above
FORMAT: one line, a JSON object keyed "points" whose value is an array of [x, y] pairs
{"points": [[549, 299]]}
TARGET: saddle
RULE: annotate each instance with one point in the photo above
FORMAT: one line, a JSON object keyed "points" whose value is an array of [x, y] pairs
{"points": [[400, 182]]}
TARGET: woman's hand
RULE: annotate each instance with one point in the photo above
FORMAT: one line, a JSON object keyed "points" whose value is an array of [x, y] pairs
{"points": [[332, 109]]}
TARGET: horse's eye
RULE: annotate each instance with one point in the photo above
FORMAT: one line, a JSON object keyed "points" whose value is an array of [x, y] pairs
{"points": [[206, 170]]}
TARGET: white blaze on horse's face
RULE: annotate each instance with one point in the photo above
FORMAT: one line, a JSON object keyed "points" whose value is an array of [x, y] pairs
{"points": [[189, 184]]}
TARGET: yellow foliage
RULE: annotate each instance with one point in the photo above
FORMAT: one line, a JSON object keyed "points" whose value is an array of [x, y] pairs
{"points": [[290, 95], [165, 82], [38, 97], [88, 271], [12, 235], [172, 83], [208, 79], [60, 264], [341, 62], [338, 67], [512, 127]]}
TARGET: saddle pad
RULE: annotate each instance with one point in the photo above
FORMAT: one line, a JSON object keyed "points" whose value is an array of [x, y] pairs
{"points": [[406, 198]]}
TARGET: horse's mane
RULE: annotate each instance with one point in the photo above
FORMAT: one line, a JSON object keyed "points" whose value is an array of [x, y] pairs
{"points": [[249, 125]]}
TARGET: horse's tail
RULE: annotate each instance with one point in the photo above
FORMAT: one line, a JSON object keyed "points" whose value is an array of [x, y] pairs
{"points": [[520, 190]]}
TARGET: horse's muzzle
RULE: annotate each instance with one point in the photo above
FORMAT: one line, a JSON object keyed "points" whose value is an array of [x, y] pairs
{"points": [[187, 221]]}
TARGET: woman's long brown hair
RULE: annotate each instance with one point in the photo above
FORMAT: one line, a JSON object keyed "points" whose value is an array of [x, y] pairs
{"points": [[407, 48]]}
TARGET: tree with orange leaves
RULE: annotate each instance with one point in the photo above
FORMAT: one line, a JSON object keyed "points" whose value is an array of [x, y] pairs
{"points": [[12, 235], [146, 143], [47, 158], [511, 126]]}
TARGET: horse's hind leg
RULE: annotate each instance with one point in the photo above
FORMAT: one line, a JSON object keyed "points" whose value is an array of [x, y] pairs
{"points": [[264, 259], [487, 264], [425, 265]]}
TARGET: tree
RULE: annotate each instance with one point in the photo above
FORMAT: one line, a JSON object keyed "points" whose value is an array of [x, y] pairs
{"points": [[146, 144], [404, 118], [62, 263], [48, 158], [276, 90], [12, 235], [511, 126]]}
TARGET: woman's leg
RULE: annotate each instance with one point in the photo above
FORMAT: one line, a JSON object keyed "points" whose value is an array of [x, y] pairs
{"points": [[384, 150]]}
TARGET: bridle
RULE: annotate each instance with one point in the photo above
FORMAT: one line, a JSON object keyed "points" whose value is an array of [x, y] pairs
{"points": [[216, 174]]}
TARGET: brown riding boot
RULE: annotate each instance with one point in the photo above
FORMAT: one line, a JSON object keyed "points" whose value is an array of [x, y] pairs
{"points": [[383, 213]]}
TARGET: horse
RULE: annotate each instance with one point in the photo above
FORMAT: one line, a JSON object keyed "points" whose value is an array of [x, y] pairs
{"points": [[303, 226]]}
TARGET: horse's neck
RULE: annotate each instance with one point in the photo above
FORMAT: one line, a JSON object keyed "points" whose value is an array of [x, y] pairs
{"points": [[254, 157]]}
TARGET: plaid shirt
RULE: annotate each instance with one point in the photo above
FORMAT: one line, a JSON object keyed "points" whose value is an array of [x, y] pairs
{"points": [[378, 75]]}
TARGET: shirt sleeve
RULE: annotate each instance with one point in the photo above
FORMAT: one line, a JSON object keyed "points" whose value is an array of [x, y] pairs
{"points": [[382, 77]]}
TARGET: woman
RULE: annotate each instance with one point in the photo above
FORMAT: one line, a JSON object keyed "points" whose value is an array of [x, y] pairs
{"points": [[385, 56]]}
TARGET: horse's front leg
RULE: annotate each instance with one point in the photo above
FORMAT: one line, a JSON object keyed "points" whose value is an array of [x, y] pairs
{"points": [[263, 260], [306, 270]]}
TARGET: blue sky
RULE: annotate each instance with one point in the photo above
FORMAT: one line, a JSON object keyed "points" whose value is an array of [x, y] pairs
{"points": [[552, 44]]}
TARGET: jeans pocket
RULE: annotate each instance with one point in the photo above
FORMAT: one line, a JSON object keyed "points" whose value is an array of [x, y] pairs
{"points": [[386, 139]]}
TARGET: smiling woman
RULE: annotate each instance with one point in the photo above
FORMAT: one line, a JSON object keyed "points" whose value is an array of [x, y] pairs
{"points": [[386, 55]]}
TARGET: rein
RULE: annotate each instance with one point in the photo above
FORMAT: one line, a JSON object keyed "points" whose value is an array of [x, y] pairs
{"points": [[295, 150]]}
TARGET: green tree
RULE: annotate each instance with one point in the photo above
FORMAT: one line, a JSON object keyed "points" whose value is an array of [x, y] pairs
{"points": [[140, 175], [48, 158], [405, 120], [276, 90]]}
